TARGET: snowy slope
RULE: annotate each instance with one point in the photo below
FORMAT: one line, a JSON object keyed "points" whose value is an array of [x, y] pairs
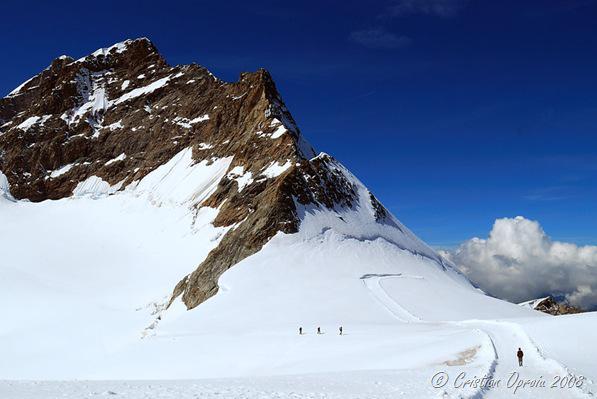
{"points": [[86, 275], [104, 265], [93, 294], [95, 273]]}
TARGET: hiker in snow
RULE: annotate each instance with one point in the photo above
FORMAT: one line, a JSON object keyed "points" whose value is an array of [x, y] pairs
{"points": [[519, 354], [318, 330], [300, 330], [340, 330]]}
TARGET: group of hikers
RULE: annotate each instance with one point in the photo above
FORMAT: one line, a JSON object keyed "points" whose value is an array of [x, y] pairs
{"points": [[340, 330], [519, 354]]}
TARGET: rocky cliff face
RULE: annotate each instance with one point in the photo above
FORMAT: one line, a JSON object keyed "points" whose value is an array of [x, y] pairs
{"points": [[118, 114]]}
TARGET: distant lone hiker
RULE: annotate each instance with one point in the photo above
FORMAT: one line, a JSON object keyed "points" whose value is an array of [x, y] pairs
{"points": [[300, 330], [318, 330], [340, 330], [519, 354]]}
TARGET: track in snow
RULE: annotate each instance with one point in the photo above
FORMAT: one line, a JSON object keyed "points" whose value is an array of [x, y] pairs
{"points": [[373, 283], [505, 337]]}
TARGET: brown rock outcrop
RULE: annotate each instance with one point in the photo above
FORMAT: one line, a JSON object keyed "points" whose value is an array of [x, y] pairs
{"points": [[550, 306]]}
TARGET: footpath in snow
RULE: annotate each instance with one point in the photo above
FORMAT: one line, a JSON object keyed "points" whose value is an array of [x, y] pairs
{"points": [[539, 377]]}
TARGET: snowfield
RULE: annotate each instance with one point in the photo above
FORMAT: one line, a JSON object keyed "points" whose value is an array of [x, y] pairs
{"points": [[84, 282]]}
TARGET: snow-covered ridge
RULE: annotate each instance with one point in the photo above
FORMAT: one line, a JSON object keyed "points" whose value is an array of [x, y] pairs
{"points": [[17, 90], [283, 121], [360, 221]]}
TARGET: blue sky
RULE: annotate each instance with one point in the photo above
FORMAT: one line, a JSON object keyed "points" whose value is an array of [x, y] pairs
{"points": [[453, 112]]}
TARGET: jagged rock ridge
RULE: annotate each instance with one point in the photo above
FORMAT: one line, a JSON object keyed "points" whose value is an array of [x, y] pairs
{"points": [[111, 118]]}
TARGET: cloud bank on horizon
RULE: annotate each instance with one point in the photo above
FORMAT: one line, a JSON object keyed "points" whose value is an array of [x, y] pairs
{"points": [[519, 262]]}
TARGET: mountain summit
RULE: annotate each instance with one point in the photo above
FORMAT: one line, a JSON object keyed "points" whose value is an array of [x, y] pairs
{"points": [[105, 122]]}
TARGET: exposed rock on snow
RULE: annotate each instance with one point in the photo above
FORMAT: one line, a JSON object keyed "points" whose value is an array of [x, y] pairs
{"points": [[551, 306]]}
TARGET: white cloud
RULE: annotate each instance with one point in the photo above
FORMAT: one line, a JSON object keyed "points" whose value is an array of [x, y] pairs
{"points": [[441, 8], [519, 262], [379, 38]]}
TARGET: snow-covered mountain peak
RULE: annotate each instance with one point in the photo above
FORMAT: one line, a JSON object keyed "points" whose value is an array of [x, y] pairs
{"points": [[123, 46], [130, 49], [121, 121]]}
